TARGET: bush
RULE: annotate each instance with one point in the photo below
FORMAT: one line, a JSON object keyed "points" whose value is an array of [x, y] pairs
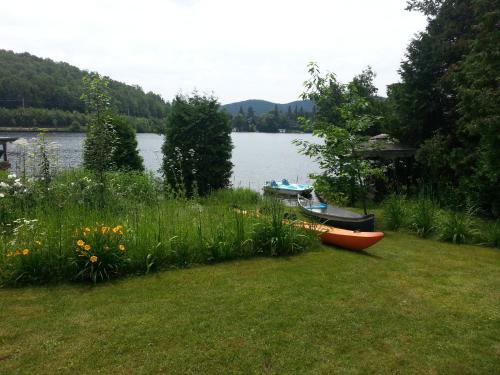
{"points": [[395, 212], [456, 227], [491, 234], [197, 148]]}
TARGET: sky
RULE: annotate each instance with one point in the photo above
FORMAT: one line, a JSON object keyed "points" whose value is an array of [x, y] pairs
{"points": [[234, 49]]}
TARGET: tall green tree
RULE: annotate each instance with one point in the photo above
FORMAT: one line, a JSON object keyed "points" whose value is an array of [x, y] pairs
{"points": [[110, 143], [197, 148], [100, 142], [477, 82], [343, 127], [126, 156], [449, 95]]}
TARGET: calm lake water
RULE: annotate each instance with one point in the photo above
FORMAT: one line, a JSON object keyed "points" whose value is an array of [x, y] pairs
{"points": [[257, 157]]}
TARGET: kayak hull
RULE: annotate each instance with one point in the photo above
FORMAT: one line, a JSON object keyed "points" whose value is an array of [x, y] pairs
{"points": [[347, 239]]}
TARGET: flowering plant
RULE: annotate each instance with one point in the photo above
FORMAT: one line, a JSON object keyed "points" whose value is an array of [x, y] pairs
{"points": [[99, 252]]}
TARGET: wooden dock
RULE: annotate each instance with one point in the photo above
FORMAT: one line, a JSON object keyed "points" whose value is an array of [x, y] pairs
{"points": [[3, 151]]}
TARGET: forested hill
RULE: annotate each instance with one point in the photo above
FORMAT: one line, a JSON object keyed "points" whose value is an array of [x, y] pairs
{"points": [[31, 81], [262, 106]]}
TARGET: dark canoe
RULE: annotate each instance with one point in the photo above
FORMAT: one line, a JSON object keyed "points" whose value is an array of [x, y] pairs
{"points": [[336, 216]]}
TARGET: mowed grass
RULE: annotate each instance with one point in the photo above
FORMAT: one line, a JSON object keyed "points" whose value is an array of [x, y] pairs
{"points": [[405, 306]]}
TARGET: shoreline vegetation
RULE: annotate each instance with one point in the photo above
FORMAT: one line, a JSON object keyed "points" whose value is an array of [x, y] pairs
{"points": [[130, 228]]}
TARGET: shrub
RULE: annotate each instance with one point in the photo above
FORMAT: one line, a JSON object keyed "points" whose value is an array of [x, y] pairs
{"points": [[200, 133], [395, 212], [456, 227], [491, 234], [423, 219]]}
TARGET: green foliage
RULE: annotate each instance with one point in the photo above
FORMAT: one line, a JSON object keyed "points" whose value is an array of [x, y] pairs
{"points": [[274, 237], [423, 217], [449, 97], [126, 155], [342, 119], [395, 212], [100, 143], [456, 227], [491, 234], [110, 143], [99, 253], [197, 147], [45, 84], [157, 232], [254, 107], [478, 94]]}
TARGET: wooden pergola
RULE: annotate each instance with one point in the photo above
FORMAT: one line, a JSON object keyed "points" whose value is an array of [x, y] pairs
{"points": [[389, 151], [384, 147]]}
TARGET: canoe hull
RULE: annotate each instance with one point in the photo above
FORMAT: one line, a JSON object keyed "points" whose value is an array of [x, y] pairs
{"points": [[364, 223], [287, 192]]}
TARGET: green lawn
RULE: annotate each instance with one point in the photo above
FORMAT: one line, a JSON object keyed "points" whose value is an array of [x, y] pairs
{"points": [[406, 306]]}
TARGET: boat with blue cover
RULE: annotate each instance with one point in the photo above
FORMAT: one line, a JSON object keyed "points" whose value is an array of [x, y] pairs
{"points": [[286, 188]]}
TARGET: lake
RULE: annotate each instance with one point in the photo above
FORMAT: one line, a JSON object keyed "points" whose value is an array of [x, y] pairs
{"points": [[257, 157]]}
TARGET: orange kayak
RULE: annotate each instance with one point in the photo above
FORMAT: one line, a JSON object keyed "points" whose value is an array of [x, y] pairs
{"points": [[344, 238]]}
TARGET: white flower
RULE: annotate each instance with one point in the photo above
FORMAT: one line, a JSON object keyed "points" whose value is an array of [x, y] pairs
{"points": [[11, 176], [17, 184], [3, 185], [2, 195], [21, 142]]}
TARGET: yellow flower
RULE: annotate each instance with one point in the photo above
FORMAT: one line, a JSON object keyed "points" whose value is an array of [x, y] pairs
{"points": [[26, 252], [118, 229], [10, 253], [87, 247], [18, 252], [121, 247], [93, 259], [80, 243], [105, 230], [38, 243]]}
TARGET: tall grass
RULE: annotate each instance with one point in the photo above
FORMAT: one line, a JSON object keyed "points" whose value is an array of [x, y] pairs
{"points": [[426, 219], [423, 218], [395, 212], [158, 233]]}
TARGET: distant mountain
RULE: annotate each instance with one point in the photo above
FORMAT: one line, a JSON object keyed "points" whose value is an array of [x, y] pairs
{"points": [[263, 106]]}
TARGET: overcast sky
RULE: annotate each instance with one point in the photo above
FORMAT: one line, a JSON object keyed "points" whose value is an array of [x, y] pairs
{"points": [[237, 49]]}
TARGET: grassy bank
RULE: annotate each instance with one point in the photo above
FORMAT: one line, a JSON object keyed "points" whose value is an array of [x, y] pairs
{"points": [[75, 227], [411, 306]]}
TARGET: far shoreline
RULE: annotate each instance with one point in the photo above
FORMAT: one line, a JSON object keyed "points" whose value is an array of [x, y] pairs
{"points": [[4, 129]]}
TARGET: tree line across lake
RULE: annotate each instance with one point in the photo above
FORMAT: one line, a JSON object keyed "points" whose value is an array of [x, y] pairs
{"points": [[37, 92]]}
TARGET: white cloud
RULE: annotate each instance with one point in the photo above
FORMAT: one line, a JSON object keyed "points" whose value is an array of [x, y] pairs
{"points": [[238, 49]]}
